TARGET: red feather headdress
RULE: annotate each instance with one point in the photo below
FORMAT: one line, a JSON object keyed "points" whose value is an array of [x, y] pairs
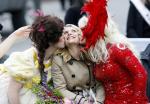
{"points": [[97, 19]]}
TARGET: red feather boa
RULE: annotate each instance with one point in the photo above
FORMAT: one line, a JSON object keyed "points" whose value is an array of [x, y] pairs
{"points": [[97, 20]]}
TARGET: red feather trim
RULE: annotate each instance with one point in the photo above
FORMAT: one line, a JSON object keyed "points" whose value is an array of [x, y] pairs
{"points": [[97, 20]]}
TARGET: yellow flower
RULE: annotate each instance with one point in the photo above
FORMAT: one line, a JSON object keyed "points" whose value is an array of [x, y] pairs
{"points": [[19, 78], [36, 79], [28, 85]]}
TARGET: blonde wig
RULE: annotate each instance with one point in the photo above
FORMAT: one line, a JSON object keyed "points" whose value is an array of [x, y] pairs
{"points": [[99, 52]]}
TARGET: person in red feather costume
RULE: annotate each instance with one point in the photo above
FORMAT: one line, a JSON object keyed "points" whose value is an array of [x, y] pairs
{"points": [[117, 64]]}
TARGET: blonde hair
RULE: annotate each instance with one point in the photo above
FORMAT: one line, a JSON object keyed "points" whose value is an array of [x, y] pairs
{"points": [[76, 27], [99, 52]]}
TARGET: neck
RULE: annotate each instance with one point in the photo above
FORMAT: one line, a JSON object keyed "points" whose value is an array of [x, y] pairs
{"points": [[74, 50], [49, 52]]}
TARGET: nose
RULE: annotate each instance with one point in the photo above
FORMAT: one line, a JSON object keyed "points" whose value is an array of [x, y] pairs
{"points": [[69, 33]]}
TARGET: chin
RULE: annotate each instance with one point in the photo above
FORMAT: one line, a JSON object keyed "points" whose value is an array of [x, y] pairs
{"points": [[73, 42]]}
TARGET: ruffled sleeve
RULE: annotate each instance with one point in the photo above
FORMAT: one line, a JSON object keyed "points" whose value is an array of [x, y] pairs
{"points": [[20, 65]]}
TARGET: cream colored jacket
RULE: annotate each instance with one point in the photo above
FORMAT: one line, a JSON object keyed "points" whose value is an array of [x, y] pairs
{"points": [[71, 76]]}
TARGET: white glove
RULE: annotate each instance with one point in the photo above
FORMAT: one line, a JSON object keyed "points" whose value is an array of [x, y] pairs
{"points": [[83, 22]]}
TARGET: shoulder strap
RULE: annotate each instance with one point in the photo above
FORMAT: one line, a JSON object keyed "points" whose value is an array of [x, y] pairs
{"points": [[146, 53], [145, 13]]}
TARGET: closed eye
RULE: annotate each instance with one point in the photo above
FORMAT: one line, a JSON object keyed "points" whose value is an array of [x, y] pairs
{"points": [[65, 32], [74, 30]]}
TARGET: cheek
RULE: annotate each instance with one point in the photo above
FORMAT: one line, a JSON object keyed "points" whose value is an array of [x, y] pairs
{"points": [[61, 40], [65, 38], [60, 44], [77, 39]]}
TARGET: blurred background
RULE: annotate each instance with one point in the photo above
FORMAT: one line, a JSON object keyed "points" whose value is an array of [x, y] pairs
{"points": [[118, 10]]}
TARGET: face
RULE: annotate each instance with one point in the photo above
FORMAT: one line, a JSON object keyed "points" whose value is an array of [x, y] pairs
{"points": [[60, 43], [71, 35]]}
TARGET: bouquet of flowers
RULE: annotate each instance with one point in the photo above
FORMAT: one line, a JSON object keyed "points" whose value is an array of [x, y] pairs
{"points": [[46, 94]]}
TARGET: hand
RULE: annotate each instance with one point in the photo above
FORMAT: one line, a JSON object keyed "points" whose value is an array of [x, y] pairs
{"points": [[83, 22], [89, 102], [86, 102], [67, 101], [22, 32]]}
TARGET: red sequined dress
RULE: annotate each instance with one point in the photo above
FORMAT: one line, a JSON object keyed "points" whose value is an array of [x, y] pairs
{"points": [[123, 77]]}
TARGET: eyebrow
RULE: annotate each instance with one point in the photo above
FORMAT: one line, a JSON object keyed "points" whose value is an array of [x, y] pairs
{"points": [[65, 31], [75, 29]]}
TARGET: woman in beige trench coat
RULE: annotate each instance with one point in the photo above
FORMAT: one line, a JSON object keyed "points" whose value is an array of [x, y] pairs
{"points": [[72, 74]]}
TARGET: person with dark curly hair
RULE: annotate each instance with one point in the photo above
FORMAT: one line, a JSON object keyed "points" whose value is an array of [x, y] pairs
{"points": [[25, 76]]}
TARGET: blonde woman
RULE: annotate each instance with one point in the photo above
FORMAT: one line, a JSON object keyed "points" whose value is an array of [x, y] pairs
{"points": [[72, 73], [117, 65]]}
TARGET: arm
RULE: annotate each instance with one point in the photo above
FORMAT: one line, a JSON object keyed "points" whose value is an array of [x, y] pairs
{"points": [[131, 32], [100, 93], [128, 60], [15, 36], [61, 84], [13, 91]]}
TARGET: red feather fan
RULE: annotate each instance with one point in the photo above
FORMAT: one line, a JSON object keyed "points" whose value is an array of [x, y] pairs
{"points": [[97, 19]]}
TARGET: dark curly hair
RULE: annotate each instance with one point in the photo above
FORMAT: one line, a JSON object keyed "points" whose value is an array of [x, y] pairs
{"points": [[52, 28]]}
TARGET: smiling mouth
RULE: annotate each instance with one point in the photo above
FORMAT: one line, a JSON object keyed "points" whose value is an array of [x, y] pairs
{"points": [[70, 37]]}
